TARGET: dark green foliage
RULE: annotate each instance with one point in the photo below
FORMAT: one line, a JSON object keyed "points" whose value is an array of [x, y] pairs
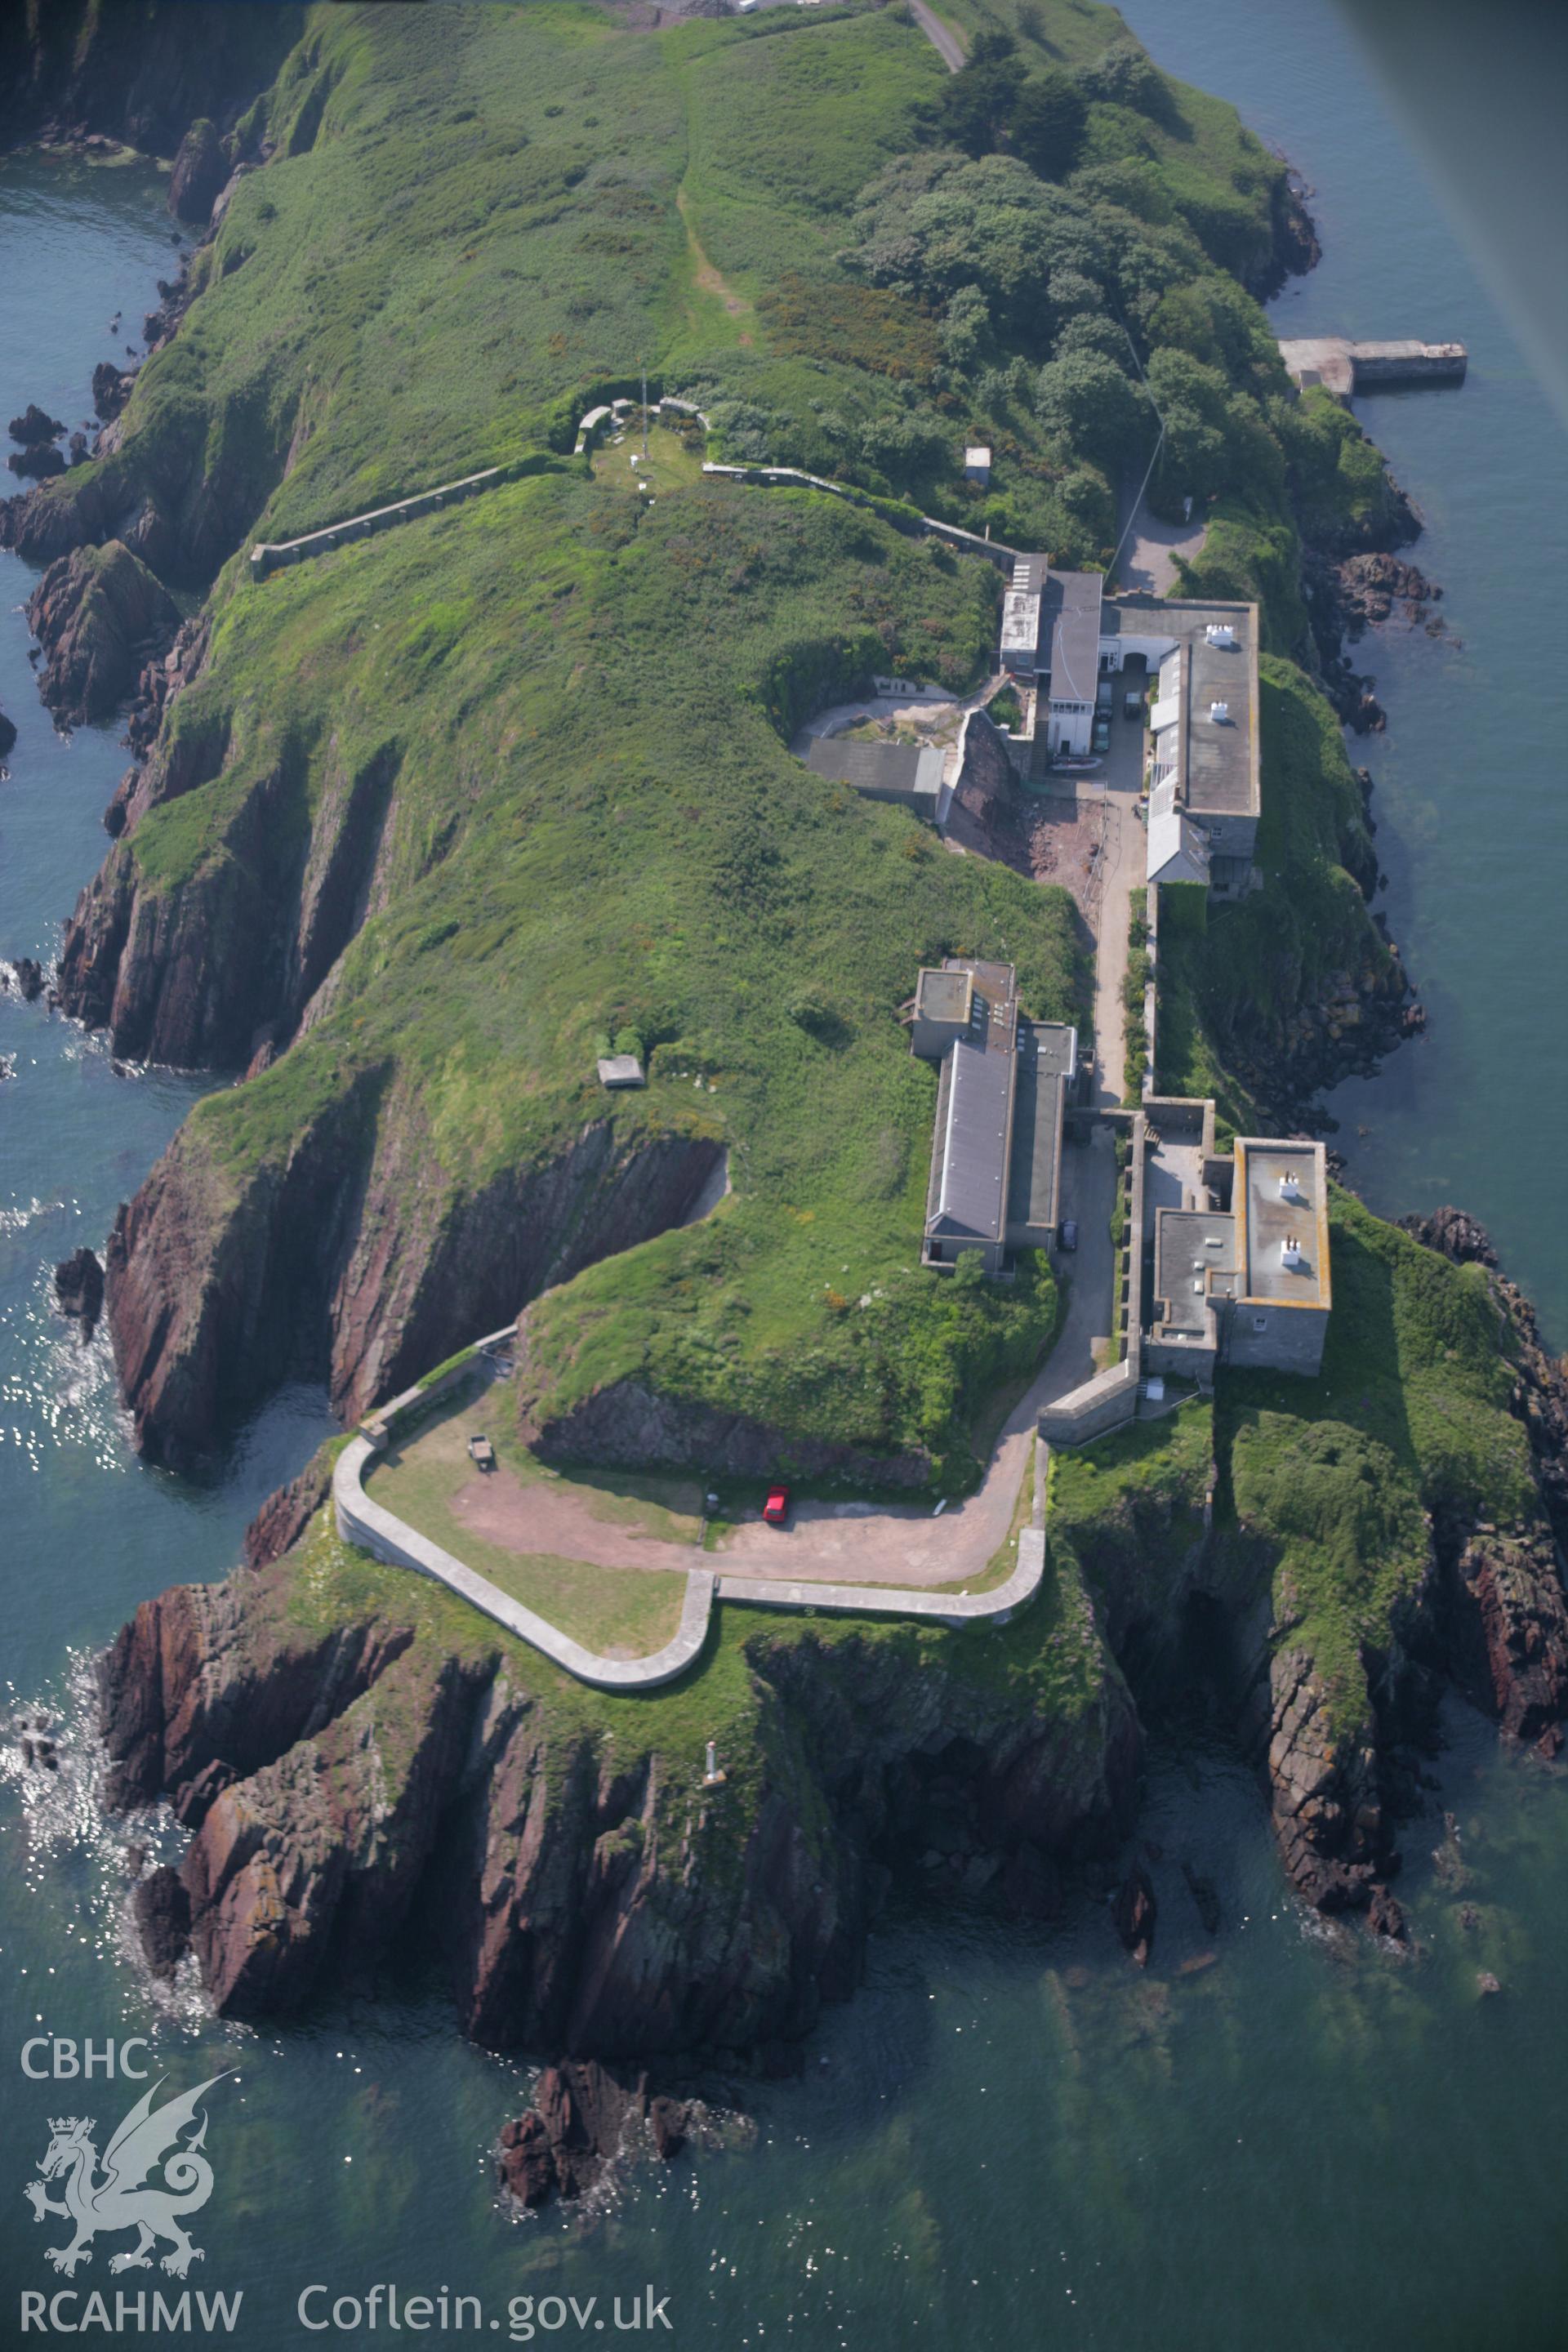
{"points": [[1126, 74], [1094, 406], [1262, 957], [976, 106], [1340, 485], [1047, 127]]}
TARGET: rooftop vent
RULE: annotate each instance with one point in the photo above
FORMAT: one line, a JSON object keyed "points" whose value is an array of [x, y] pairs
{"points": [[1291, 1254], [1290, 1187], [1220, 633], [1220, 713]]}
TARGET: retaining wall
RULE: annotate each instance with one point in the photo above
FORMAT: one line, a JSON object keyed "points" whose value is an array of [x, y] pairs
{"points": [[1101, 1404]]}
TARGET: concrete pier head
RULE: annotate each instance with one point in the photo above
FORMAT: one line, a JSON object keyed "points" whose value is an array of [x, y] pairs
{"points": [[1345, 368]]}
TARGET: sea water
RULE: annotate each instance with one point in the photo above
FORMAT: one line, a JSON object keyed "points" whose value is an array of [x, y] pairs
{"points": [[1278, 2135]]}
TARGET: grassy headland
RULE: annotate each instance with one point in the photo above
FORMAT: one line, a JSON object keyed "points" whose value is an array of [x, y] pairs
{"points": [[451, 812]]}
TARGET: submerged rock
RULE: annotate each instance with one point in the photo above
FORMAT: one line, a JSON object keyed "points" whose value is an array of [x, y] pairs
{"points": [[1133, 1911]]}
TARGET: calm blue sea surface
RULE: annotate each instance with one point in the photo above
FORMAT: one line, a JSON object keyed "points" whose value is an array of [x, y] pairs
{"points": [[1009, 2140]]}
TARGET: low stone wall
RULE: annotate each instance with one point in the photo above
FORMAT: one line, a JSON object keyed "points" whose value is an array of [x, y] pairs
{"points": [[401, 1411], [968, 542], [387, 1538], [268, 556], [955, 1608]]}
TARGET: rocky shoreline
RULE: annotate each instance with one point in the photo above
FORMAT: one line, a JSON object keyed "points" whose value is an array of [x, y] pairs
{"points": [[341, 1782], [344, 1783], [1490, 1616], [349, 1776]]}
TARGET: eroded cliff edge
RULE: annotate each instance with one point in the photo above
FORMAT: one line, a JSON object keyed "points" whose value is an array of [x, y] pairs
{"points": [[360, 1757], [357, 1755]]}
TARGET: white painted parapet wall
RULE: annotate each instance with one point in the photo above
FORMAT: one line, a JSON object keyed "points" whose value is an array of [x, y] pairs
{"points": [[362, 1521]]}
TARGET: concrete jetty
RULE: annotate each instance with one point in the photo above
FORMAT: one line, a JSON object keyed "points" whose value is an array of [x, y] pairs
{"points": [[1345, 368]]}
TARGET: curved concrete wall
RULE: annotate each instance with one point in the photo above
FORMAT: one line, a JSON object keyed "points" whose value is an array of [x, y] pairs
{"points": [[362, 1521]]}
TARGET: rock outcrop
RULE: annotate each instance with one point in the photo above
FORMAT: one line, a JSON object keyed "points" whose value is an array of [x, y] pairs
{"points": [[348, 1775], [1346, 1030], [160, 1909], [77, 71], [37, 464], [35, 424], [585, 2115], [99, 613], [201, 168], [1133, 1911], [78, 1290], [284, 1517], [1325, 1788], [1491, 1611], [111, 388]]}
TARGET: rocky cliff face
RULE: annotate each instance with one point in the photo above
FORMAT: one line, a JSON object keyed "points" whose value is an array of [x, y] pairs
{"points": [[140, 75], [1491, 1611], [202, 972], [356, 1256], [594, 1898], [100, 616]]}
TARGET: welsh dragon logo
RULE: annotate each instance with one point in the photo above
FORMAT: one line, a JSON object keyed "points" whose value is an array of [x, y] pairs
{"points": [[121, 2197]]}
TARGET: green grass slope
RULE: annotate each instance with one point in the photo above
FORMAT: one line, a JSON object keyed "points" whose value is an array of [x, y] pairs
{"points": [[1332, 1482], [529, 756]]}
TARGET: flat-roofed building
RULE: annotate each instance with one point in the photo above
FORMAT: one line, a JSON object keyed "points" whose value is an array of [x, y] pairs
{"points": [[1021, 620], [1071, 609], [1281, 1201], [1202, 659], [1242, 1272], [909, 775], [1002, 1087]]}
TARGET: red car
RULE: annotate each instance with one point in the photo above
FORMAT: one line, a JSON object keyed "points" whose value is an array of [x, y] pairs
{"points": [[775, 1510]]}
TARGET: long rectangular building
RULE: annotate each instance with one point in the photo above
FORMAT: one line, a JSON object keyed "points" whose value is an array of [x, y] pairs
{"points": [[1201, 657], [1002, 1087]]}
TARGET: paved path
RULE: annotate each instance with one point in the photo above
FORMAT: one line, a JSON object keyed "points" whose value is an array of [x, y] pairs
{"points": [[1148, 560], [361, 1520], [1123, 861], [946, 44]]}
